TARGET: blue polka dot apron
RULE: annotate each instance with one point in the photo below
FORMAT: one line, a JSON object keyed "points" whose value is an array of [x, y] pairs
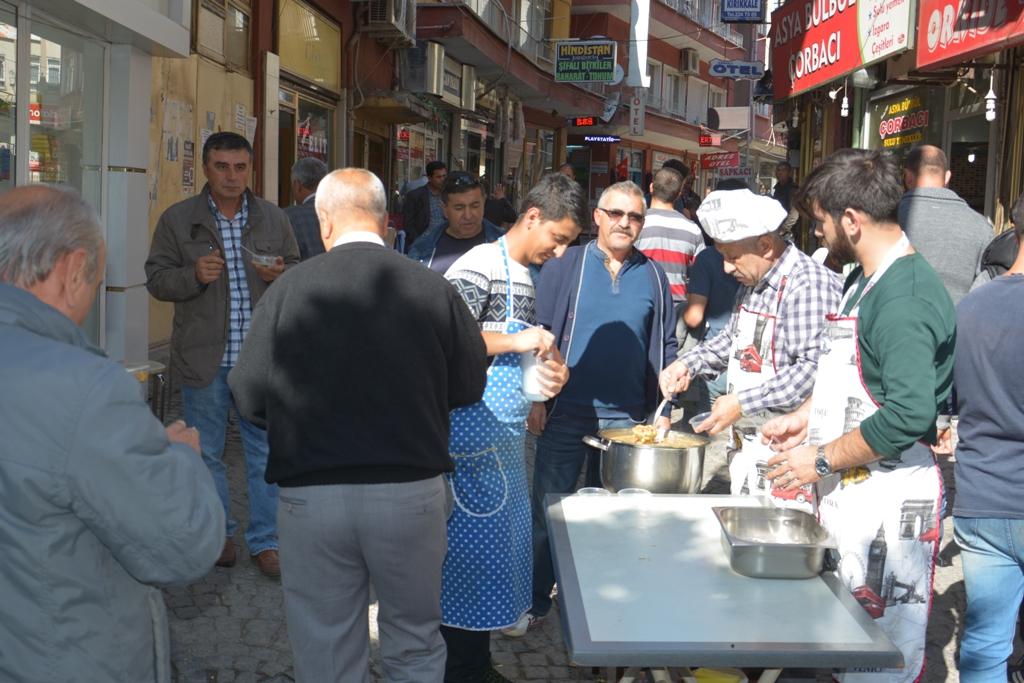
{"points": [[486, 582]]}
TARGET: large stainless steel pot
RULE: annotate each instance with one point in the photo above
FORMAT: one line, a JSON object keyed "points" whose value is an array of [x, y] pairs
{"points": [[658, 469]]}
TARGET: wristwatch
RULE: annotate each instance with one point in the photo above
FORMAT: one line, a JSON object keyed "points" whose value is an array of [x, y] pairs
{"points": [[821, 464]]}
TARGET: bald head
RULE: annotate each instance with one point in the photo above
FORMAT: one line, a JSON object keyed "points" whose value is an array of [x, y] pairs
{"points": [[926, 166], [348, 200]]}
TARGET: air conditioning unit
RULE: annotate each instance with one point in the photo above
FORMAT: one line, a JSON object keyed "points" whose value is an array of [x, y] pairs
{"points": [[422, 68], [392, 21], [689, 63]]}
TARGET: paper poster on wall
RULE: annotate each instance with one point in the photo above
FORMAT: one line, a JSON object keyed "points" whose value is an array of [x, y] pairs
{"points": [[240, 117], [203, 134], [211, 119], [188, 168], [250, 128]]}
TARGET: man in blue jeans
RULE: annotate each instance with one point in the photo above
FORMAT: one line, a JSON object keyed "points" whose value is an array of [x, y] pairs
{"points": [[214, 255], [611, 312], [988, 512]]}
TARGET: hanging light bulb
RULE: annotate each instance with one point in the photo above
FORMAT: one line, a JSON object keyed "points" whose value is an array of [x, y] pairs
{"points": [[844, 106], [970, 156], [795, 121], [990, 97]]}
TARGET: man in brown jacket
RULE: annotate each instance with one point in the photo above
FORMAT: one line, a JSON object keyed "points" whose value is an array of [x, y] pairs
{"points": [[214, 256]]}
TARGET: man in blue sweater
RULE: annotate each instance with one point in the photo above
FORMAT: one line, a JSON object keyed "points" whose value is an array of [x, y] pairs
{"points": [[611, 312], [988, 514]]}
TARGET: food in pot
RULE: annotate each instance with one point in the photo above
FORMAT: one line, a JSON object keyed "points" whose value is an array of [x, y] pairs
{"points": [[644, 434]]}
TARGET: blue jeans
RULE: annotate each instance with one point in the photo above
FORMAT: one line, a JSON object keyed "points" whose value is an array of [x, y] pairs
{"points": [[993, 555], [561, 454], [206, 409]]}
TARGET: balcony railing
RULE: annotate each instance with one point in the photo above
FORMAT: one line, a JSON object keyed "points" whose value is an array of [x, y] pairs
{"points": [[537, 49], [704, 14]]}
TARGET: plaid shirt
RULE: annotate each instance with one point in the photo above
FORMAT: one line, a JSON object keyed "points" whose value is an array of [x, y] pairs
{"points": [[811, 292], [240, 308]]}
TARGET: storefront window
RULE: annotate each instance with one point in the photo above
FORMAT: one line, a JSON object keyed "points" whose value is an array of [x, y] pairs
{"points": [[313, 132], [8, 56], [66, 120]]}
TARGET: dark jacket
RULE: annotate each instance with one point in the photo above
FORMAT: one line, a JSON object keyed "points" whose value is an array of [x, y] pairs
{"points": [[334, 344], [306, 227], [423, 250], [185, 232], [98, 509], [556, 304], [416, 213]]}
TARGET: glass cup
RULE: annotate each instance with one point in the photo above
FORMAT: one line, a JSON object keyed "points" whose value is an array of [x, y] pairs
{"points": [[593, 491], [530, 365], [634, 492]]}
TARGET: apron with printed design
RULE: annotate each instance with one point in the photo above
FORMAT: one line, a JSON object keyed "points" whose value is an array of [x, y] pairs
{"points": [[487, 577], [751, 364], [885, 515]]}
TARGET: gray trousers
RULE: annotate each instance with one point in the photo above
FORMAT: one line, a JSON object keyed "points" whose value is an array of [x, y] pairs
{"points": [[336, 540]]}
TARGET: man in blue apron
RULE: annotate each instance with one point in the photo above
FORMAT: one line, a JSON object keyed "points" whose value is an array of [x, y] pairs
{"points": [[885, 367], [487, 573], [770, 347]]}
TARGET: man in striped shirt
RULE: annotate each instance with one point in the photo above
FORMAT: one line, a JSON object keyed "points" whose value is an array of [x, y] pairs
{"points": [[670, 239]]}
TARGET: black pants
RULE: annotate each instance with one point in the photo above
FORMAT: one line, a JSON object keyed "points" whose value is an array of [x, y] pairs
{"points": [[469, 655]]}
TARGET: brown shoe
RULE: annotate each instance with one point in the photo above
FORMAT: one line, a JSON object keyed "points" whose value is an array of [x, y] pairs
{"points": [[227, 555], [268, 563]]}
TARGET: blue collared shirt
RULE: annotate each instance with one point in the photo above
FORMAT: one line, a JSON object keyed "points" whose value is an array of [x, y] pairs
{"points": [[240, 308]]}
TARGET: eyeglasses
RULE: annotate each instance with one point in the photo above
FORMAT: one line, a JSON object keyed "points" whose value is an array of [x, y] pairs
{"points": [[635, 219]]}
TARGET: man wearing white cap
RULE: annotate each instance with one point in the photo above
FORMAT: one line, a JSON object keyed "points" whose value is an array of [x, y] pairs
{"points": [[770, 347]]}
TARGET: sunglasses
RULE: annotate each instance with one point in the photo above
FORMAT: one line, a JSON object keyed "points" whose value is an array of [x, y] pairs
{"points": [[460, 180], [635, 219]]}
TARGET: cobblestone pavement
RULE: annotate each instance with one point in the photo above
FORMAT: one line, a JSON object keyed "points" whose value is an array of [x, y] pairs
{"points": [[230, 626]]}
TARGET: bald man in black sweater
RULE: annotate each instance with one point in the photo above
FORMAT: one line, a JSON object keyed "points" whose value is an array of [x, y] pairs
{"points": [[353, 361]]}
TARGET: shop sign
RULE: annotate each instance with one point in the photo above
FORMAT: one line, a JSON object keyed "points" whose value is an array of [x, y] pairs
{"points": [[959, 29], [35, 113], [585, 61], [818, 41], [743, 11], [451, 87], [709, 140], [582, 121], [735, 172], [636, 114], [601, 138], [903, 122], [730, 68], [309, 44], [720, 160]]}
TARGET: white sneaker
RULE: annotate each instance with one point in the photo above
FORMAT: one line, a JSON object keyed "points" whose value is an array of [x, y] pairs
{"points": [[526, 623]]}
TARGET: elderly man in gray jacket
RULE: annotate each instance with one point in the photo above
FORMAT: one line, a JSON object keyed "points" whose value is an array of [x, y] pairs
{"points": [[98, 502]]}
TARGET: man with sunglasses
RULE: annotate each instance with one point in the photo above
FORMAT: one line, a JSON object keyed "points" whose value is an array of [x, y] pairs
{"points": [[464, 227], [771, 345], [610, 310]]}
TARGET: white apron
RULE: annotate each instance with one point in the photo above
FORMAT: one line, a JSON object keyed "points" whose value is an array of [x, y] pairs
{"points": [[884, 516], [751, 364]]}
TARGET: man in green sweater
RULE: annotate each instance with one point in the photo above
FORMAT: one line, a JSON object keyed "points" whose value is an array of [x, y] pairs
{"points": [[862, 438]]}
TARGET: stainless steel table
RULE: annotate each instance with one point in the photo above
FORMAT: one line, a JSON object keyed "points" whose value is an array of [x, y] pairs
{"points": [[644, 581]]}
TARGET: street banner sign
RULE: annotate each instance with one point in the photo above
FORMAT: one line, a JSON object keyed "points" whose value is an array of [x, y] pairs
{"points": [[730, 68], [585, 61], [819, 41], [957, 30], [743, 11], [719, 160]]}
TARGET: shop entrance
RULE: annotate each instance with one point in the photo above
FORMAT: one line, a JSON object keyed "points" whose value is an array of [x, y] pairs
{"points": [[969, 160], [305, 129]]}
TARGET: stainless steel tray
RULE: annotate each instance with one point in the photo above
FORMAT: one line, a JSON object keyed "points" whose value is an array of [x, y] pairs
{"points": [[773, 543]]}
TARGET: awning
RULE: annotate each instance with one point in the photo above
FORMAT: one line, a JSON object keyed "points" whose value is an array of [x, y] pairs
{"points": [[394, 107]]}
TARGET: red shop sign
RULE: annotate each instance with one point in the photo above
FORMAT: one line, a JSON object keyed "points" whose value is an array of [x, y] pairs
{"points": [[720, 160], [817, 41], [955, 30]]}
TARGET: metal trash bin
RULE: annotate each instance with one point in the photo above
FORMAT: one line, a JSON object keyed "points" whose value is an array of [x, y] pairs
{"points": [[153, 385]]}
